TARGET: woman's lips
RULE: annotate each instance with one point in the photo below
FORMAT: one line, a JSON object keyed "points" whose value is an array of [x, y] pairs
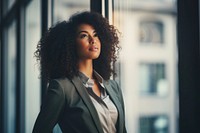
{"points": [[93, 48]]}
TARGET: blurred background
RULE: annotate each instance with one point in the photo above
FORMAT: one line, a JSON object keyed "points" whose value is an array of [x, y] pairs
{"points": [[147, 69]]}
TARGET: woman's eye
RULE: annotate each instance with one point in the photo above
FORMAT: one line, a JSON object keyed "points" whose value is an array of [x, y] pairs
{"points": [[95, 35], [83, 35]]}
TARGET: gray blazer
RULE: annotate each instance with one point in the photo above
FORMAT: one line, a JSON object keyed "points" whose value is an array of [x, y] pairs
{"points": [[68, 104]]}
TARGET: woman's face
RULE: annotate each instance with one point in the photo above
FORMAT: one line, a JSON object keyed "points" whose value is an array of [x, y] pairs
{"points": [[88, 43]]}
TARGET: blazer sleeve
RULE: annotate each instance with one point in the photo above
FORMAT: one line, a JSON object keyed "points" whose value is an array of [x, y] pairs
{"points": [[51, 109]]}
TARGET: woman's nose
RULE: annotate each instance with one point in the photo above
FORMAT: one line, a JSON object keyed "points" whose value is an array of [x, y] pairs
{"points": [[92, 40]]}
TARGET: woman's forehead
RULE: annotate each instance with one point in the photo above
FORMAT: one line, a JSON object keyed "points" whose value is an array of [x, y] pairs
{"points": [[85, 27]]}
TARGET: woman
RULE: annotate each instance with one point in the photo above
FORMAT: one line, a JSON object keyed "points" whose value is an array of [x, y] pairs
{"points": [[76, 59]]}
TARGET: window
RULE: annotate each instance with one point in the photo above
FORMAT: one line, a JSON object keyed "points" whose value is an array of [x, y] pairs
{"points": [[151, 32], [154, 124], [145, 26], [153, 79]]}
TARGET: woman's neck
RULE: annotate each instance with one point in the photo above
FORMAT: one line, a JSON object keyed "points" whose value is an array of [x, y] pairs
{"points": [[86, 68]]}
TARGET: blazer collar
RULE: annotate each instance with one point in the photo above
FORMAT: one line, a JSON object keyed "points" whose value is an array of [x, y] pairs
{"points": [[86, 99]]}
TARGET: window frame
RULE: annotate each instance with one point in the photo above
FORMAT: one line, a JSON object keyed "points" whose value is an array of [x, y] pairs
{"points": [[188, 65]]}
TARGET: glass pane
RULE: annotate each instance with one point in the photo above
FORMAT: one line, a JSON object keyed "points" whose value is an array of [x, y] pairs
{"points": [[32, 81], [153, 79], [10, 80], [62, 9], [147, 67], [154, 124]]}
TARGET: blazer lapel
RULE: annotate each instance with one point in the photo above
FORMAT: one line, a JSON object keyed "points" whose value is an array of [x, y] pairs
{"points": [[86, 99], [114, 98]]}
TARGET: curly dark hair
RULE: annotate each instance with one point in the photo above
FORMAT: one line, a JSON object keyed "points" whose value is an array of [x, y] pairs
{"points": [[57, 53]]}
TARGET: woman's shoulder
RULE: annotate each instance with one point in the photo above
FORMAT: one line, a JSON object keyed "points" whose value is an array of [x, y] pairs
{"points": [[62, 82], [66, 85], [113, 83]]}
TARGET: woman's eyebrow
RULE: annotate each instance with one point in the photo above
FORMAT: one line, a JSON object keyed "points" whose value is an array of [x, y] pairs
{"points": [[82, 31], [86, 31]]}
